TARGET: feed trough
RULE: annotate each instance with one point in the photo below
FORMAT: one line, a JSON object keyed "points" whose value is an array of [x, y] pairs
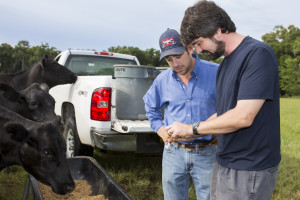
{"points": [[84, 168]]}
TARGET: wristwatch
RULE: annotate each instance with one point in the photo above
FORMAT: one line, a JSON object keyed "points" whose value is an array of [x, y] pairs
{"points": [[195, 126]]}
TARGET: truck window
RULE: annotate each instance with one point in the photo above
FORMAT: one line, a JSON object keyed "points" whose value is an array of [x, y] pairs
{"points": [[95, 65]]}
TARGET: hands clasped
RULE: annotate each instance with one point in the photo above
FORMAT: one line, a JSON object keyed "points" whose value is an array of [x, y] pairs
{"points": [[179, 132]]}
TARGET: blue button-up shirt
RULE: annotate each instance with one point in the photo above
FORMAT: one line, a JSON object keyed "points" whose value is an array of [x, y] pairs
{"points": [[181, 103]]}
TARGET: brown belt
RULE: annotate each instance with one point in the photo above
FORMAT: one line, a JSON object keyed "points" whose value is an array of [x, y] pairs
{"points": [[212, 142]]}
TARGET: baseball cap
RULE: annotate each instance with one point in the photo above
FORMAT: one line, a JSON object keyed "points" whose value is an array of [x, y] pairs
{"points": [[170, 43]]}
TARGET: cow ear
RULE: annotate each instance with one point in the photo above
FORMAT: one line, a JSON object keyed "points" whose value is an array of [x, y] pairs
{"points": [[6, 88], [44, 87], [43, 64], [44, 60], [16, 132], [10, 93]]}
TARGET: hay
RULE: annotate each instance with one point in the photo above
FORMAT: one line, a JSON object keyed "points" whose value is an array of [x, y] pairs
{"points": [[82, 191]]}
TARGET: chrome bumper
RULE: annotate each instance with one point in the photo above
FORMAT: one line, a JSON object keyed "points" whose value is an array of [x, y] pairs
{"points": [[133, 142]]}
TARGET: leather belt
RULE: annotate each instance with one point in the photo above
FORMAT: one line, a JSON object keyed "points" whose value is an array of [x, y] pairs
{"points": [[190, 147]]}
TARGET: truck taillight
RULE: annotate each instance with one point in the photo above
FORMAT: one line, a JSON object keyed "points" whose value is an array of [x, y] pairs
{"points": [[101, 104]]}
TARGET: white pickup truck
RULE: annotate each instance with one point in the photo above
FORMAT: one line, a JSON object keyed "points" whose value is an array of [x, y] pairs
{"points": [[104, 108]]}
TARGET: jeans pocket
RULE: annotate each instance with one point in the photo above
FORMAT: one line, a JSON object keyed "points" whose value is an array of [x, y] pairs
{"points": [[272, 170], [169, 147]]}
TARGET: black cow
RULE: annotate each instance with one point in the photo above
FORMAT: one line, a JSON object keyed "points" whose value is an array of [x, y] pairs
{"points": [[38, 147], [46, 71], [34, 102]]}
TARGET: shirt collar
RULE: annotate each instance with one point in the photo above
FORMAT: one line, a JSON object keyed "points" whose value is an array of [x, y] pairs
{"points": [[174, 74], [195, 72]]}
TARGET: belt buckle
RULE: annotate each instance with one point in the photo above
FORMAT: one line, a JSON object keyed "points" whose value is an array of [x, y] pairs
{"points": [[184, 146]]}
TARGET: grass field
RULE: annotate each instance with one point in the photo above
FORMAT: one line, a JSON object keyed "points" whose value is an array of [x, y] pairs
{"points": [[288, 183], [140, 175]]}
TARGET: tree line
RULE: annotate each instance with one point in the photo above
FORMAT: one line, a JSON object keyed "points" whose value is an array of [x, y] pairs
{"points": [[284, 41], [286, 44]]}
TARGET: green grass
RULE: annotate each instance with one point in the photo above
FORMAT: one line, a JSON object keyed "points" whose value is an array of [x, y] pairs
{"points": [[140, 175], [288, 182], [12, 182]]}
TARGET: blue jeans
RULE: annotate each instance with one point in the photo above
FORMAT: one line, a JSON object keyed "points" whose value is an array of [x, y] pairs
{"points": [[179, 165]]}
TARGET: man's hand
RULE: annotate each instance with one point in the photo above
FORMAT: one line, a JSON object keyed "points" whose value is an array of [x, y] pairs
{"points": [[164, 135], [181, 132]]}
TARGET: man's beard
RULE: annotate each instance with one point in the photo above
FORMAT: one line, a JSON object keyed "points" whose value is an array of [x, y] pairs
{"points": [[219, 51]]}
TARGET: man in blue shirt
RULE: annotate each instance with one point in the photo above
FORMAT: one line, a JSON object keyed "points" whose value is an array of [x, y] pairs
{"points": [[247, 120], [187, 91]]}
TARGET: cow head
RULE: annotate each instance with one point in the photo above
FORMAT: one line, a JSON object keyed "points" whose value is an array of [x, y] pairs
{"points": [[42, 154], [34, 103], [55, 74], [39, 102]]}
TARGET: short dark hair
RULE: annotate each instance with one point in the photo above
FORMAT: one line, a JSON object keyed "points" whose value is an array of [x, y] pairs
{"points": [[203, 20]]}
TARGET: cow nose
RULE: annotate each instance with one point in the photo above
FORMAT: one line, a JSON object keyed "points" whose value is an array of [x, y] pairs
{"points": [[69, 187], [74, 78]]}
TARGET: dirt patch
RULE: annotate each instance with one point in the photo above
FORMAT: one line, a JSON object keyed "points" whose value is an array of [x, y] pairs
{"points": [[82, 191]]}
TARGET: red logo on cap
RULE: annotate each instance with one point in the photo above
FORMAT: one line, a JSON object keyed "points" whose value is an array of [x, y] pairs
{"points": [[167, 42]]}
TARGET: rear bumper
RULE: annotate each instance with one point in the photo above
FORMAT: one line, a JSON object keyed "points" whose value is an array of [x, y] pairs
{"points": [[131, 142]]}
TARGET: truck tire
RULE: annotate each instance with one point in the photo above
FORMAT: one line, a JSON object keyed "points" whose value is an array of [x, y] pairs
{"points": [[74, 146]]}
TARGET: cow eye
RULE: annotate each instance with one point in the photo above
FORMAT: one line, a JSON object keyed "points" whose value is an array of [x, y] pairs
{"points": [[47, 153], [33, 103]]}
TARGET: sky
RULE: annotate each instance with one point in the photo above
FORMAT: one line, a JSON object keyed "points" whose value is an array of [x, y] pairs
{"points": [[100, 24]]}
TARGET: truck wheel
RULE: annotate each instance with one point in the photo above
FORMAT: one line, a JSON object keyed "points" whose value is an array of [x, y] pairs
{"points": [[74, 146]]}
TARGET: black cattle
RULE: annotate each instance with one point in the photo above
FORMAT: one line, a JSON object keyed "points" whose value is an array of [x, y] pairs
{"points": [[38, 147], [34, 102], [46, 71]]}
